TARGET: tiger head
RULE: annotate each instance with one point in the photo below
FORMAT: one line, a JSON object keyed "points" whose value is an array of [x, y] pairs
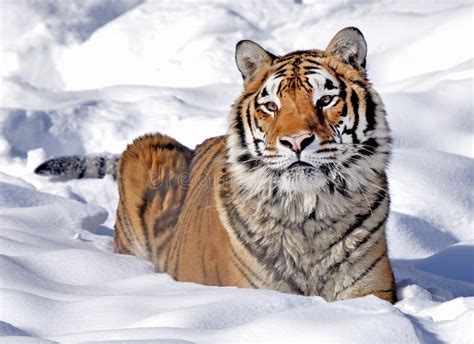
{"points": [[307, 121]]}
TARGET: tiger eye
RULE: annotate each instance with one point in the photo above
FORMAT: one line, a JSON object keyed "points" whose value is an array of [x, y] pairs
{"points": [[325, 100], [271, 106]]}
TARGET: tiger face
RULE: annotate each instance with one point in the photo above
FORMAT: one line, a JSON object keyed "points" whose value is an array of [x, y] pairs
{"points": [[308, 120]]}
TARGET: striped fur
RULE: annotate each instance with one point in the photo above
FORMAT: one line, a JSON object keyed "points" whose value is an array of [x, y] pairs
{"points": [[78, 167], [293, 198]]}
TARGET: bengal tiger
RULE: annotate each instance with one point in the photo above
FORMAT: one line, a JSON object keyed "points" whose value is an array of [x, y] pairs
{"points": [[293, 198]]}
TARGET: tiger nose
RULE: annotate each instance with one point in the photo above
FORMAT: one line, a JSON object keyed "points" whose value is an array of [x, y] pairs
{"points": [[297, 142]]}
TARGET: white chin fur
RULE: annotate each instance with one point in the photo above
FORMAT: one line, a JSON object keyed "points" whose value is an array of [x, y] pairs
{"points": [[296, 180]]}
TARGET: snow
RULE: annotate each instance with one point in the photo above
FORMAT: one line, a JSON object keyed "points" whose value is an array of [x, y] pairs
{"points": [[88, 76]]}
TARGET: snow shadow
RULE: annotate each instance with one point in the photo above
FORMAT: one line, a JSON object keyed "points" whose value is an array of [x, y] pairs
{"points": [[450, 269], [417, 233], [455, 262], [79, 19], [53, 130]]}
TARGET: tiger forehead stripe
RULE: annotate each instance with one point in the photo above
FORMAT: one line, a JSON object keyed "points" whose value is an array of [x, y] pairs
{"points": [[271, 90], [322, 74]]}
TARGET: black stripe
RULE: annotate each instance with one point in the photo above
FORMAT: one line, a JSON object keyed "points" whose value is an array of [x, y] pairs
{"points": [[362, 275], [355, 108], [344, 111], [248, 161], [341, 185], [255, 104], [360, 219], [249, 120], [175, 250], [257, 148], [244, 274], [330, 184], [342, 88], [310, 69], [313, 61], [369, 147], [147, 197], [335, 266], [203, 164], [351, 161], [257, 124], [165, 219], [280, 71], [167, 146], [119, 244], [326, 142], [359, 83], [126, 217], [319, 114], [101, 167], [159, 248], [257, 248], [250, 125], [305, 84], [201, 159], [200, 152], [239, 127], [82, 169], [369, 113], [342, 95], [296, 62], [329, 85], [120, 229], [203, 262], [280, 87], [243, 266], [325, 150], [233, 213], [375, 229]]}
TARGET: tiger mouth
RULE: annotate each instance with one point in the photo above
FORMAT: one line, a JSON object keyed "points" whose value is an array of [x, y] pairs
{"points": [[299, 163]]}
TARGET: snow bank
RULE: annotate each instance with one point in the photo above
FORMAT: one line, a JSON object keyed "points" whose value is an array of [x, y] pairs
{"points": [[50, 266], [89, 76]]}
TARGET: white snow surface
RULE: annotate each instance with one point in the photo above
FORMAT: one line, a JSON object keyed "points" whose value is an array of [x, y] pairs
{"points": [[88, 76]]}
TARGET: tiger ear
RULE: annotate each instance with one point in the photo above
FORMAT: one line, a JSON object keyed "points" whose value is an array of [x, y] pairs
{"points": [[349, 46], [250, 57]]}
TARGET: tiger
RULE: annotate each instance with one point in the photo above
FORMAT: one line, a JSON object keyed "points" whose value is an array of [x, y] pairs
{"points": [[293, 198]]}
